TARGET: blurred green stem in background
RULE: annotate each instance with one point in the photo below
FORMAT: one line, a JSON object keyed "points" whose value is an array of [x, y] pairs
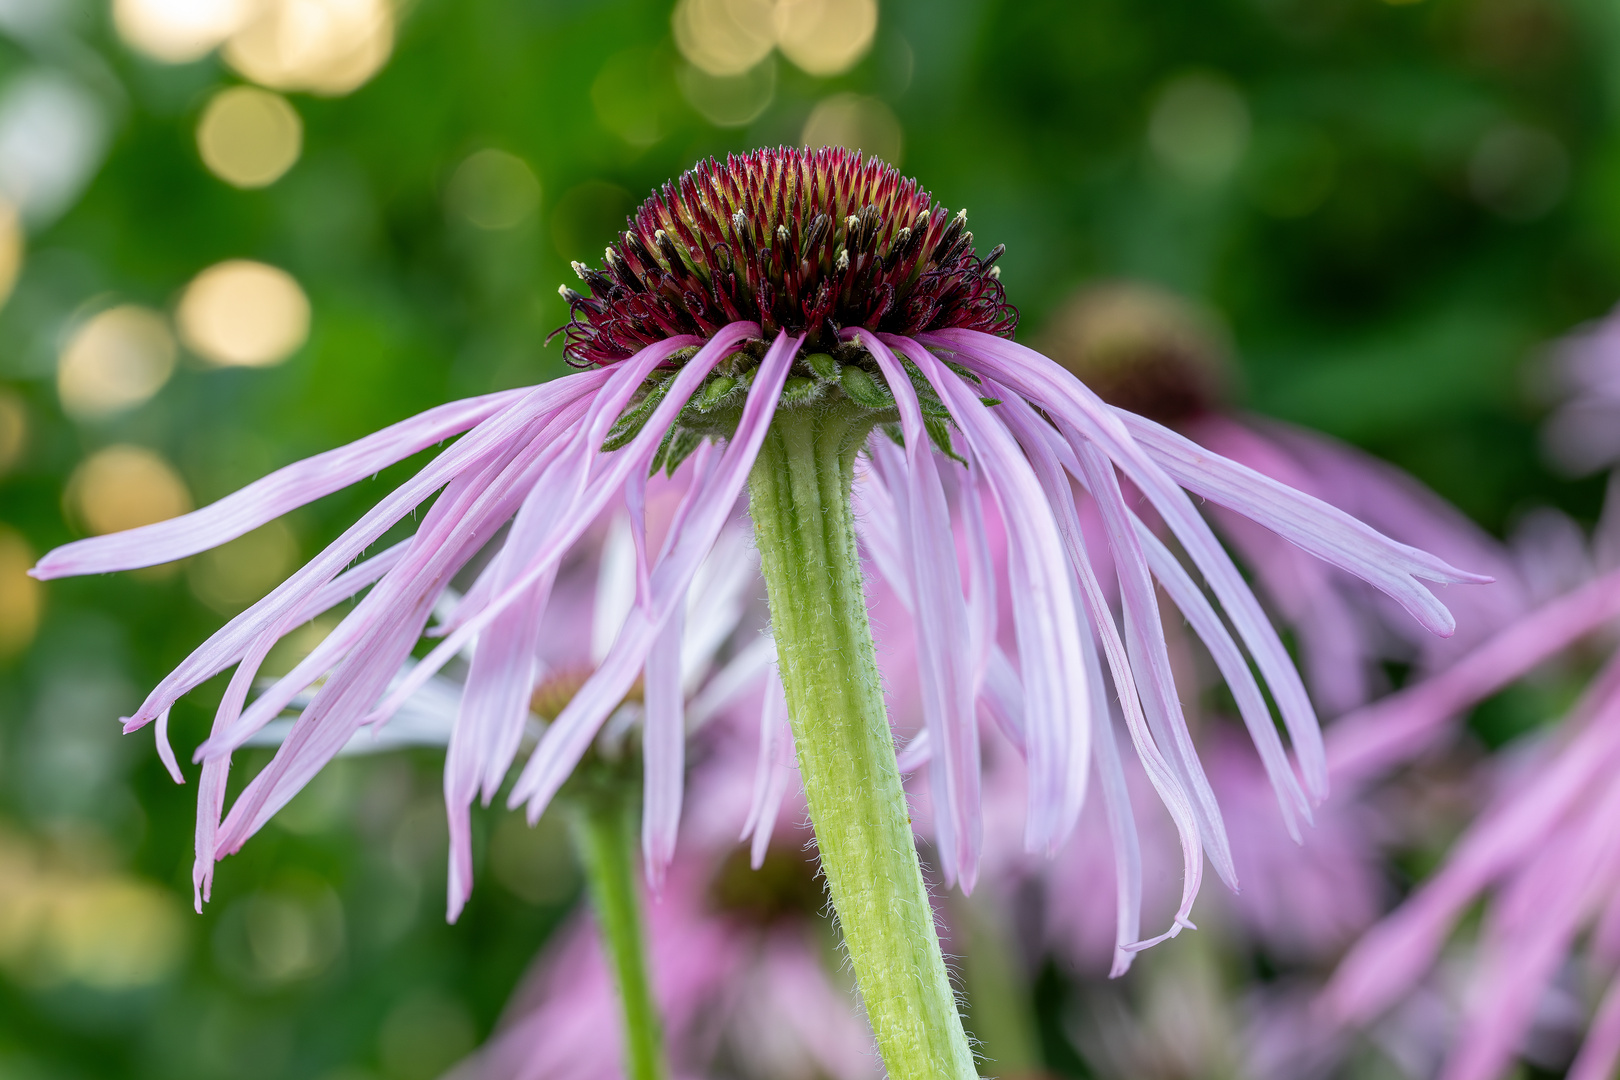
{"points": [[605, 834], [799, 497], [1000, 1006]]}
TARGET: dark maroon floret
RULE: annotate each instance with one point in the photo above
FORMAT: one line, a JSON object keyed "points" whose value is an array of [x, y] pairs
{"points": [[810, 241]]}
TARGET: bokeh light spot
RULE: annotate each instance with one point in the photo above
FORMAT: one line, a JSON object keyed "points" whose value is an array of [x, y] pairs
{"points": [[493, 189], [241, 313], [857, 122], [731, 37], [178, 31], [115, 361], [729, 100], [99, 928], [11, 248], [1199, 127], [124, 486], [249, 137], [724, 37], [232, 576], [280, 936], [20, 595], [825, 37], [327, 47]]}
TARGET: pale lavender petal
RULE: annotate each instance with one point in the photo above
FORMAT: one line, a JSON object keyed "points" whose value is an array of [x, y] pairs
{"points": [[981, 575], [266, 499], [1144, 638], [466, 516], [1083, 416], [211, 787], [1060, 496], [1002, 697], [769, 723], [1126, 843], [490, 440], [166, 750], [568, 738], [489, 725], [333, 715], [941, 622], [1187, 597], [1045, 616], [616, 584], [663, 748], [1320, 528], [727, 685], [543, 530]]}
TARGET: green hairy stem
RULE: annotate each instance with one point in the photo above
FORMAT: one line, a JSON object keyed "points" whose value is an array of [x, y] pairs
{"points": [[799, 495], [605, 834]]}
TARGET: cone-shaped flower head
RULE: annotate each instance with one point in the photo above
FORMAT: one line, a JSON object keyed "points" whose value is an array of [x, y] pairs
{"points": [[779, 284], [809, 244]]}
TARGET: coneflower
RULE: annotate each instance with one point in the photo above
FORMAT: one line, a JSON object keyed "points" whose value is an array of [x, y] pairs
{"points": [[770, 318]]}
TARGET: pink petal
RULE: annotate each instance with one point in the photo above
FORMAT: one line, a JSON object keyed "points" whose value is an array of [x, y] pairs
{"points": [[264, 500], [663, 742], [568, 738], [941, 620]]}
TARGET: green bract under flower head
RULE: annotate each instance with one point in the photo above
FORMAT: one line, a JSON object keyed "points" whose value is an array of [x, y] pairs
{"points": [[808, 241]]}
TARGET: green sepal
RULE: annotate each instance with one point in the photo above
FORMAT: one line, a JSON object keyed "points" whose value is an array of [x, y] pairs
{"points": [[635, 417], [714, 392], [864, 390], [894, 431], [939, 433], [663, 448], [681, 447], [799, 390], [823, 366], [989, 402]]}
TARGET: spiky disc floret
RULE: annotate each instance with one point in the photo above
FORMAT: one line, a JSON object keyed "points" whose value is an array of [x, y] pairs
{"points": [[810, 241]]}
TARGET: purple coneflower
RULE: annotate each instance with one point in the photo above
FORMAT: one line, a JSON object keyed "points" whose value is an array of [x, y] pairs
{"points": [[763, 317]]}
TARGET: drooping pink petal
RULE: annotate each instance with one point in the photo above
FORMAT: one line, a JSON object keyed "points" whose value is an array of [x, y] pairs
{"points": [[1192, 603], [489, 440], [570, 735], [1082, 416], [267, 499], [542, 531], [945, 677], [1057, 727], [1320, 528], [1144, 637], [1023, 422], [663, 743], [775, 768]]}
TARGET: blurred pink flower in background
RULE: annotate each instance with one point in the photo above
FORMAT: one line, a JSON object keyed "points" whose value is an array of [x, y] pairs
{"points": [[1544, 854]]}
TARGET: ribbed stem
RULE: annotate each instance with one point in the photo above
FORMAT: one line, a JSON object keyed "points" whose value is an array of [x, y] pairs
{"points": [[605, 834], [800, 500]]}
